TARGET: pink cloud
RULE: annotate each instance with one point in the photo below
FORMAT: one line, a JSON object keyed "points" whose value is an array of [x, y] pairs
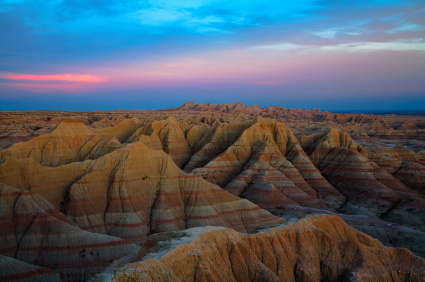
{"points": [[61, 77]]}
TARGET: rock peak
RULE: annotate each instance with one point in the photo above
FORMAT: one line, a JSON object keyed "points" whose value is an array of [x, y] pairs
{"points": [[70, 128]]}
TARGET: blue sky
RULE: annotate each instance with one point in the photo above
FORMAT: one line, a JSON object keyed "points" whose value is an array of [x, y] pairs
{"points": [[336, 55]]}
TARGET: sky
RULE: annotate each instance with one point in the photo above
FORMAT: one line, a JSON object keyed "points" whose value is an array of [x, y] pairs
{"points": [[123, 54]]}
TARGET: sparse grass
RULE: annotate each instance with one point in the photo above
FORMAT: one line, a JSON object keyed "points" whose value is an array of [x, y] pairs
{"points": [[123, 275]]}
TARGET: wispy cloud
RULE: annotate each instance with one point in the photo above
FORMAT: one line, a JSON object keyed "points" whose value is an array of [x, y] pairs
{"points": [[325, 33], [406, 27], [240, 42], [281, 46], [376, 46], [410, 45], [51, 77], [161, 17]]}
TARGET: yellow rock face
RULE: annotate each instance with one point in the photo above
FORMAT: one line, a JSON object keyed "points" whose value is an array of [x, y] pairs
{"points": [[320, 248], [122, 131], [82, 194], [166, 135], [265, 147], [370, 188], [69, 142], [120, 195]]}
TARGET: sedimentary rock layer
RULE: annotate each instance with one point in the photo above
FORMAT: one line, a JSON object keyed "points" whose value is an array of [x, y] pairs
{"points": [[369, 189], [119, 181], [253, 150], [35, 232], [122, 131], [321, 248], [120, 195], [69, 142], [166, 135]]}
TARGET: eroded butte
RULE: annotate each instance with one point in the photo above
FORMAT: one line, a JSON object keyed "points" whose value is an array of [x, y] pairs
{"points": [[208, 192]]}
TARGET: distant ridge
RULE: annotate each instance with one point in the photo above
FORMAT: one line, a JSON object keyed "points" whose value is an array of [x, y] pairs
{"points": [[128, 110], [235, 107], [240, 108]]}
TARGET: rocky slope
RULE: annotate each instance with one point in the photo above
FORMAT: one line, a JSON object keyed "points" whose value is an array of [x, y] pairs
{"points": [[321, 248], [120, 196], [33, 231], [369, 189], [257, 157], [232, 155], [70, 141], [377, 131], [103, 184], [111, 195], [266, 164], [167, 135]]}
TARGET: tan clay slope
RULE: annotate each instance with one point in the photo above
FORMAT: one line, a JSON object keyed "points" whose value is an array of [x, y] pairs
{"points": [[404, 164], [329, 139], [165, 134], [121, 131], [412, 175], [70, 141], [33, 231], [320, 248], [19, 271], [133, 192], [386, 159], [208, 144], [260, 150], [369, 189], [405, 155]]}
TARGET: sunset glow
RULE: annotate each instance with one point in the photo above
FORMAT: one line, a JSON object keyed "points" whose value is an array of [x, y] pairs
{"points": [[62, 77], [163, 53]]}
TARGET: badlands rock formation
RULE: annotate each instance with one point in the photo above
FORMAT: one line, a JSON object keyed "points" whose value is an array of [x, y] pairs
{"points": [[404, 164], [113, 195], [321, 248], [377, 131], [69, 142], [33, 231], [255, 163], [119, 195], [167, 135], [369, 189], [264, 163], [389, 234], [79, 190], [123, 130]]}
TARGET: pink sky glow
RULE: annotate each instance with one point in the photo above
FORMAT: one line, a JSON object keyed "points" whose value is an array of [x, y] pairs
{"points": [[61, 77], [245, 66]]}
